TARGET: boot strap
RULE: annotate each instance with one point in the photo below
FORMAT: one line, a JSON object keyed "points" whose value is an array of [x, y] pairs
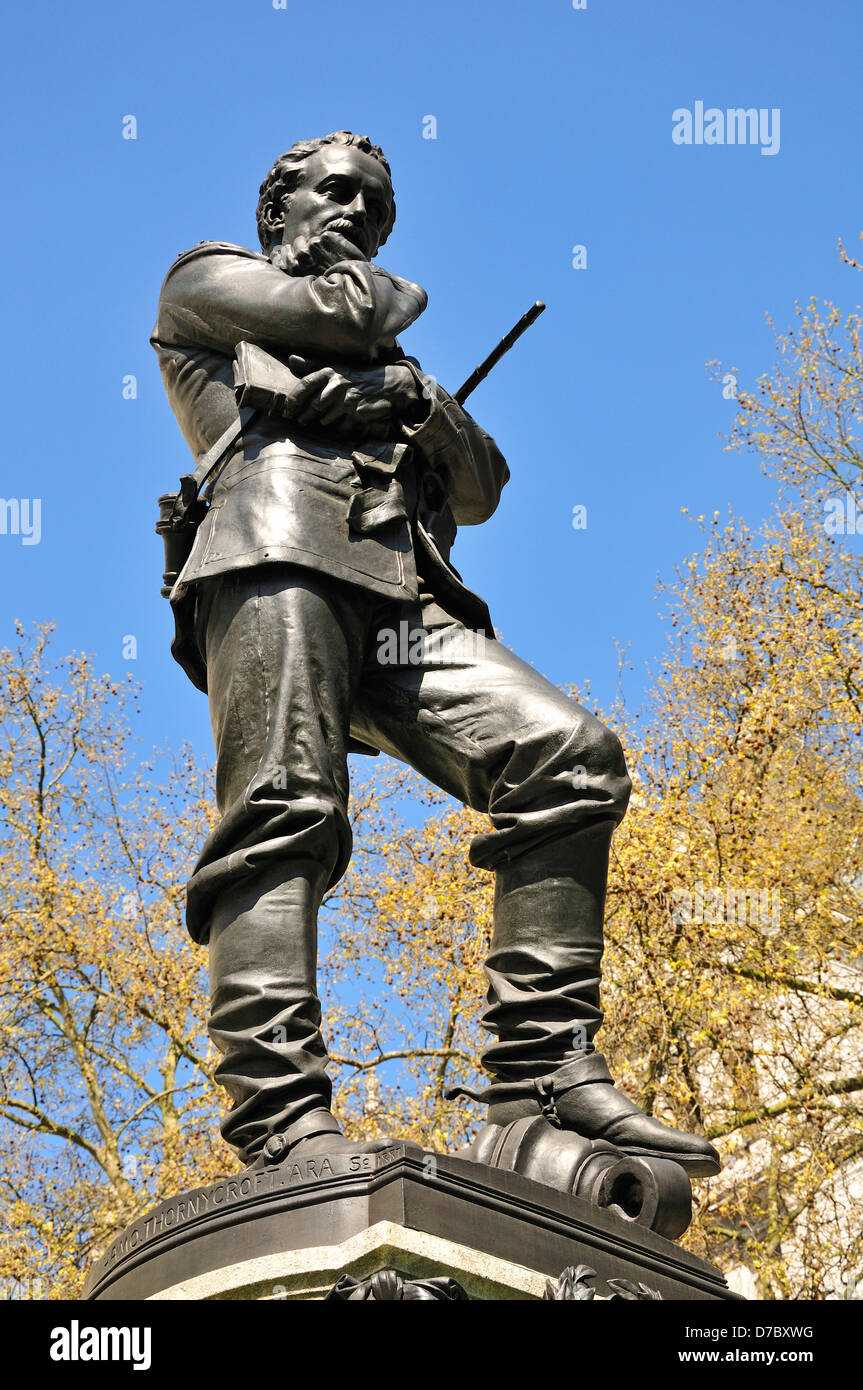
{"points": [[280, 1143], [581, 1071]]}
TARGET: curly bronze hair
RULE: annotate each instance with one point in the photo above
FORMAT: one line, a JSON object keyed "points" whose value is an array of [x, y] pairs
{"points": [[286, 173]]}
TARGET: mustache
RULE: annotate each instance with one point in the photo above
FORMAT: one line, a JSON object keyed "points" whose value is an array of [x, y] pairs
{"points": [[351, 230]]}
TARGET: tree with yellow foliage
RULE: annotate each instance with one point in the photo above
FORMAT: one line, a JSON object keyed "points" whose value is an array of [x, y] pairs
{"points": [[106, 1093]]}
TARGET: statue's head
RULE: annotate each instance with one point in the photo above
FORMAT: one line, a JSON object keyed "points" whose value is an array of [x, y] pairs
{"points": [[340, 183]]}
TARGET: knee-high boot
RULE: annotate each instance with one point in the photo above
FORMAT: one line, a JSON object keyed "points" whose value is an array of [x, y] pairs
{"points": [[265, 1016], [544, 1009]]}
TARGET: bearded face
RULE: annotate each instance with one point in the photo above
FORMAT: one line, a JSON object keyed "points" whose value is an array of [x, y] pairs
{"points": [[339, 211]]}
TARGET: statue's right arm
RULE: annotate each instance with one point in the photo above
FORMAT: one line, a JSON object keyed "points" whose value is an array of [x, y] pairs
{"points": [[215, 298]]}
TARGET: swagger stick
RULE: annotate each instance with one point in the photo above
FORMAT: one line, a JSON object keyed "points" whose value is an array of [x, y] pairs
{"points": [[481, 372]]}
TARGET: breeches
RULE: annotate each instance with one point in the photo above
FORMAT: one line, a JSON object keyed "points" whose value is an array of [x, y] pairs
{"points": [[297, 663]]}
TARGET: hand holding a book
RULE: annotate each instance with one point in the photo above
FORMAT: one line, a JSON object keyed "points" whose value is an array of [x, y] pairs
{"points": [[373, 400]]}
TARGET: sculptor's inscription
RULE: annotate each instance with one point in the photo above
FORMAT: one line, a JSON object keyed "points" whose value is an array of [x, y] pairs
{"points": [[230, 1191]]}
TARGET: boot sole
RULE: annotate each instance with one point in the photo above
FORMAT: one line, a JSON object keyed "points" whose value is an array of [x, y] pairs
{"points": [[696, 1166]]}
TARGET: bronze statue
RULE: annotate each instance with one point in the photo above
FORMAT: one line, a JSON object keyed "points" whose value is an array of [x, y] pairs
{"points": [[337, 473]]}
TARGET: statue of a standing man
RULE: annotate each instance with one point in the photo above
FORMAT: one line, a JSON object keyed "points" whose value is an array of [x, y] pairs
{"points": [[329, 531]]}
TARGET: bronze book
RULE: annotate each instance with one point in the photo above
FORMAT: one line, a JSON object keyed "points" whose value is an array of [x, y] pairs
{"points": [[262, 382]]}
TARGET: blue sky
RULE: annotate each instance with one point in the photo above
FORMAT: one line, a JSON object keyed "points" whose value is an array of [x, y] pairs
{"points": [[553, 130]]}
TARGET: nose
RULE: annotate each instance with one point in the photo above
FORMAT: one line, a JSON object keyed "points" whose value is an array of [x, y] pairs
{"points": [[357, 207]]}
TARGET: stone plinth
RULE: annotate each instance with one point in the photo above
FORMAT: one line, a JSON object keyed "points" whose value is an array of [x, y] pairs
{"points": [[290, 1232]]}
